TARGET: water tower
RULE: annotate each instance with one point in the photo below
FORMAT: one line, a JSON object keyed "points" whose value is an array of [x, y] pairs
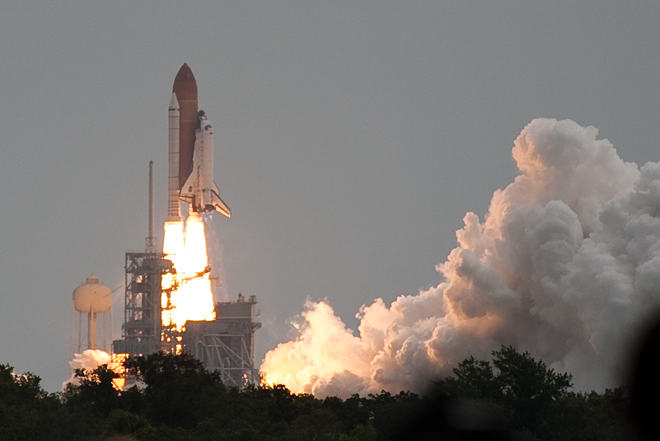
{"points": [[92, 298]]}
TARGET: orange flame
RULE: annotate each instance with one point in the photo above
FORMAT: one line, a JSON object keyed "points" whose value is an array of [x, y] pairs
{"points": [[192, 298]]}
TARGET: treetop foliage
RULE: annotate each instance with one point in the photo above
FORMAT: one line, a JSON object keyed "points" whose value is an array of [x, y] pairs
{"points": [[512, 376], [175, 398], [532, 400]]}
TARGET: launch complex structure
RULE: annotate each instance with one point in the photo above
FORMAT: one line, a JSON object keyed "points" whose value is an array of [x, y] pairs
{"points": [[224, 343]]}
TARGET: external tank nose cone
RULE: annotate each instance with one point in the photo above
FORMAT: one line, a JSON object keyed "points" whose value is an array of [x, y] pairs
{"points": [[185, 86], [185, 89]]}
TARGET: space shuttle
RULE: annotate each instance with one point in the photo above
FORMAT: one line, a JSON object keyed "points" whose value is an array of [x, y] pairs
{"points": [[190, 152]]}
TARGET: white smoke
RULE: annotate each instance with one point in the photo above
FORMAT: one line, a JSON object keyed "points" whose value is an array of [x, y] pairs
{"points": [[89, 360], [565, 265], [216, 260]]}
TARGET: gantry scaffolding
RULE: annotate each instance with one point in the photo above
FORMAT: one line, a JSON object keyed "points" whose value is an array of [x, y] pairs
{"points": [[226, 344], [142, 331]]}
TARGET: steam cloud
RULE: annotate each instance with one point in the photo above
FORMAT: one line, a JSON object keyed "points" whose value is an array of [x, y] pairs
{"points": [[565, 265], [89, 360]]}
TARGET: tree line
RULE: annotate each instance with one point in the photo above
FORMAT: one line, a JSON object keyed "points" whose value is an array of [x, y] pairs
{"points": [[512, 396]]}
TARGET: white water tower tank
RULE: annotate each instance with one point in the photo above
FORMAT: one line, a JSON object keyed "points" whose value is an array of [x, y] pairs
{"points": [[92, 298]]}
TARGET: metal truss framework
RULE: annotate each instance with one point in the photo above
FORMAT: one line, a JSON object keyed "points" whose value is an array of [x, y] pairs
{"points": [[142, 330], [230, 356], [226, 344]]}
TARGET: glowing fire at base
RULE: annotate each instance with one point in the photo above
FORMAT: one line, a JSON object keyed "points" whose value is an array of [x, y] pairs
{"points": [[185, 245]]}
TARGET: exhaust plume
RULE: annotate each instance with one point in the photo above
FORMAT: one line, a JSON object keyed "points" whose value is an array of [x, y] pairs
{"points": [[565, 265], [185, 245]]}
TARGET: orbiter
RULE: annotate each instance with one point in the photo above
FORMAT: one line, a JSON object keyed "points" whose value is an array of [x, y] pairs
{"points": [[190, 152]]}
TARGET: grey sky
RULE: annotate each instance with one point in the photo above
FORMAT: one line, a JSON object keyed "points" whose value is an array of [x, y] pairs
{"points": [[351, 138]]}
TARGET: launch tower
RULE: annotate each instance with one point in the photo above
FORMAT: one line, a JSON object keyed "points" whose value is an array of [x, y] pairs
{"points": [[142, 331]]}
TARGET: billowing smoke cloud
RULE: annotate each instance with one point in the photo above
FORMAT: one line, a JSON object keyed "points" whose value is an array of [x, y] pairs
{"points": [[565, 265], [89, 360]]}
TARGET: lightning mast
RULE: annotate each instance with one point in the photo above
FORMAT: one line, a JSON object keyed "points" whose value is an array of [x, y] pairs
{"points": [[151, 239]]}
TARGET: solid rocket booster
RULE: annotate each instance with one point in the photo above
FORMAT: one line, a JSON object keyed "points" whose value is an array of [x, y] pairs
{"points": [[190, 152], [173, 210]]}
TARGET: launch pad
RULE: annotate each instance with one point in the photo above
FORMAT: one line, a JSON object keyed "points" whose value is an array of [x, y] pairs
{"points": [[225, 344]]}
